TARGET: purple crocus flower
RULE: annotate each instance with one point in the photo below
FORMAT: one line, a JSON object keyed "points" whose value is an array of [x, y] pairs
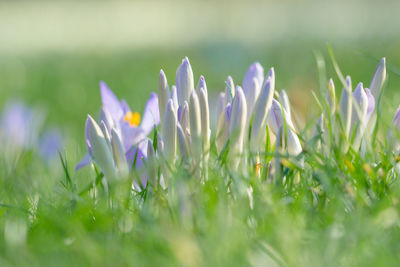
{"points": [[20, 129], [117, 115], [50, 144]]}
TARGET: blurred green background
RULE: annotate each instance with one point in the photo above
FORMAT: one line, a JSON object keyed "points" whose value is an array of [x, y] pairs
{"points": [[54, 53]]}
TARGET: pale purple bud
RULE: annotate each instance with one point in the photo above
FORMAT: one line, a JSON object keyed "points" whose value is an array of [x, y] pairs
{"points": [[359, 116], [169, 132], [182, 143], [119, 154], [346, 106], [371, 103], [331, 96], [184, 116], [293, 143], [195, 125], [201, 84], [220, 105], [223, 128], [184, 81], [262, 108], [237, 125], [106, 117], [284, 99], [174, 97], [229, 90], [98, 148], [205, 119], [255, 71], [378, 79], [163, 93]]}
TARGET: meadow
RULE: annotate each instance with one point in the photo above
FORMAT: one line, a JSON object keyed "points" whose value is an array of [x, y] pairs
{"points": [[324, 207]]}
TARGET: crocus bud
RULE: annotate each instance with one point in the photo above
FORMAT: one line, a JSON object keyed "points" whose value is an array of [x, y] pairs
{"points": [[205, 119], [251, 96], [220, 105], [331, 97], [184, 81], [201, 84], [195, 125], [223, 128], [119, 154], [277, 117], [105, 132], [184, 116], [359, 116], [378, 79], [98, 148], [237, 126], [284, 99], [151, 160], [163, 93], [182, 143], [261, 110], [229, 90], [174, 97], [346, 106], [106, 117], [293, 143], [371, 103], [169, 132], [255, 71]]}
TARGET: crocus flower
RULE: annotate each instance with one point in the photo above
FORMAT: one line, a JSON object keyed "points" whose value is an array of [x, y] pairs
{"points": [[169, 132], [261, 110], [378, 78], [277, 120], [252, 82], [184, 81], [237, 126], [346, 106], [331, 96], [195, 126], [117, 114], [163, 93], [20, 128]]}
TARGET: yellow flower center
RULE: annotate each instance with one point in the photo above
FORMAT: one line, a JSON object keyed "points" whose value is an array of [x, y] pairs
{"points": [[132, 118]]}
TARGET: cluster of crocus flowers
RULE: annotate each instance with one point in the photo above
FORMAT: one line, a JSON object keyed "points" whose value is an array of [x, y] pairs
{"points": [[356, 109], [249, 116]]}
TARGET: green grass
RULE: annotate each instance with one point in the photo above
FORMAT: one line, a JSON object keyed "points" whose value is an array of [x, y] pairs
{"points": [[343, 211]]}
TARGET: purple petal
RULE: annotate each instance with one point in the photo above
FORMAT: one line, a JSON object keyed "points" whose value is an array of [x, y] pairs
{"points": [[125, 106], [84, 162], [110, 102], [131, 135], [151, 115]]}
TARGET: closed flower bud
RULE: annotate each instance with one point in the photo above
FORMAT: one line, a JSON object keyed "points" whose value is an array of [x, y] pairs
{"points": [[98, 148], [262, 108], [169, 132], [182, 143], [359, 116], [184, 81], [119, 154], [223, 128], [237, 126], [378, 79], [255, 71], [195, 125], [184, 116], [229, 90], [331, 96], [205, 119], [163, 93], [346, 106], [284, 99]]}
